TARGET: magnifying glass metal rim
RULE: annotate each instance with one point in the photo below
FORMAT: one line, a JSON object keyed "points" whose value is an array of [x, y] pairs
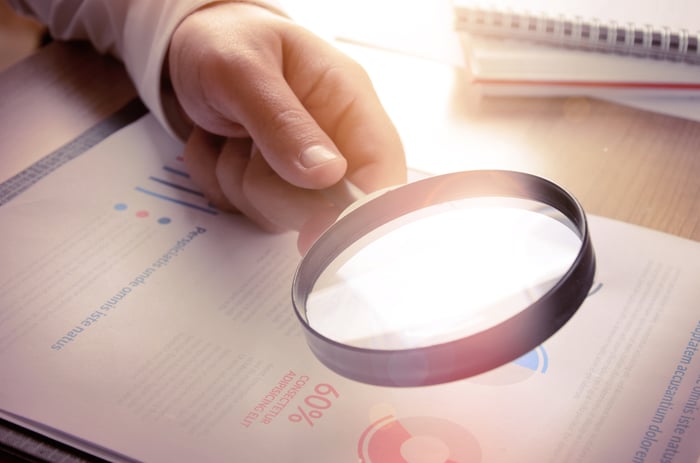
{"points": [[470, 355]]}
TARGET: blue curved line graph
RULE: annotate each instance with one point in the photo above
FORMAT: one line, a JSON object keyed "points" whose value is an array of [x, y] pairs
{"points": [[595, 289], [545, 359], [535, 360]]}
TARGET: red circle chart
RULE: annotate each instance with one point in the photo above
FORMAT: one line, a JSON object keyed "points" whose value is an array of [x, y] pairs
{"points": [[417, 439]]}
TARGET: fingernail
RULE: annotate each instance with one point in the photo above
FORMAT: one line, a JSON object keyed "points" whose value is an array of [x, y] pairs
{"points": [[316, 155]]}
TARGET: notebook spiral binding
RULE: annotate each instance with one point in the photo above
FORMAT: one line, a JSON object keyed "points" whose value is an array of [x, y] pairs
{"points": [[595, 35]]}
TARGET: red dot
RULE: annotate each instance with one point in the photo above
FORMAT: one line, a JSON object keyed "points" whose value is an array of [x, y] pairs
{"points": [[142, 214]]}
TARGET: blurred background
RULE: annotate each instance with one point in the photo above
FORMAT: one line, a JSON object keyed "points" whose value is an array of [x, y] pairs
{"points": [[19, 36]]}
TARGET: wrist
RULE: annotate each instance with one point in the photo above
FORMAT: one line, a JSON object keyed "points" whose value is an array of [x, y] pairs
{"points": [[177, 118]]}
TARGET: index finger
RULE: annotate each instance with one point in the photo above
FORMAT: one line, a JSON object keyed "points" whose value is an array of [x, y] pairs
{"points": [[346, 106]]}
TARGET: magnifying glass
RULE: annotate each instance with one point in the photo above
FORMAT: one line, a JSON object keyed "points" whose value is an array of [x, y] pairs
{"points": [[444, 278]]}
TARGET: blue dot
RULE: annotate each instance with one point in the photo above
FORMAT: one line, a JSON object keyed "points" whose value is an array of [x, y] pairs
{"points": [[164, 220], [120, 207]]}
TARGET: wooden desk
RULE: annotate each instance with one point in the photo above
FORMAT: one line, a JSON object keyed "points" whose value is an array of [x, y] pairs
{"points": [[631, 165], [622, 163], [53, 96]]}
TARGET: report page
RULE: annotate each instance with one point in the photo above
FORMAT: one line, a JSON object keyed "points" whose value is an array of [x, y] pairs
{"points": [[140, 323]]}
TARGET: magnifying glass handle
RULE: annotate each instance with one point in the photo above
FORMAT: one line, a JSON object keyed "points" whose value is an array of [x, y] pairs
{"points": [[344, 193]]}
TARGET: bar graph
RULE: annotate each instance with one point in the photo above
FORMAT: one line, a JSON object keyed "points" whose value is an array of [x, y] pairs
{"points": [[174, 185]]}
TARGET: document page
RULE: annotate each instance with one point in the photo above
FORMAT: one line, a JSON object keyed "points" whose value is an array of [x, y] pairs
{"points": [[140, 323]]}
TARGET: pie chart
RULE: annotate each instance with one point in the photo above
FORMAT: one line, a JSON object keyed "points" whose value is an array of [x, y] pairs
{"points": [[535, 362], [417, 439]]}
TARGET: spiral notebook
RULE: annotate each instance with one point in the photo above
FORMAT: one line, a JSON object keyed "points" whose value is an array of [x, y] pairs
{"points": [[651, 28]]}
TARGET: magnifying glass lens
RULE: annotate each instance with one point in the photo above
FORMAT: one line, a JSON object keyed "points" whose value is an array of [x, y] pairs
{"points": [[444, 278], [442, 273]]}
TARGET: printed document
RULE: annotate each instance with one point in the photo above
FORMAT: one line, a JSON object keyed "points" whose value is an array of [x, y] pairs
{"points": [[140, 323]]}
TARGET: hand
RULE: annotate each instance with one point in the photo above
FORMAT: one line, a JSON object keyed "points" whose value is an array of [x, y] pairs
{"points": [[279, 115]]}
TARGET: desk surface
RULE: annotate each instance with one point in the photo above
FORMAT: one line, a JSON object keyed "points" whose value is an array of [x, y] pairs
{"points": [[622, 163]]}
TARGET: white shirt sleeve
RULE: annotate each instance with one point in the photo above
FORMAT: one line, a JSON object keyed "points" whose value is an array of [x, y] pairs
{"points": [[136, 31]]}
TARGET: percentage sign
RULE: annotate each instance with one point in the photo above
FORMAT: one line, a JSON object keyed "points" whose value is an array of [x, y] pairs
{"points": [[303, 415], [315, 404]]}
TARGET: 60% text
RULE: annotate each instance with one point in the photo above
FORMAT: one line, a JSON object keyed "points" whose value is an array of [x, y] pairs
{"points": [[315, 403]]}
